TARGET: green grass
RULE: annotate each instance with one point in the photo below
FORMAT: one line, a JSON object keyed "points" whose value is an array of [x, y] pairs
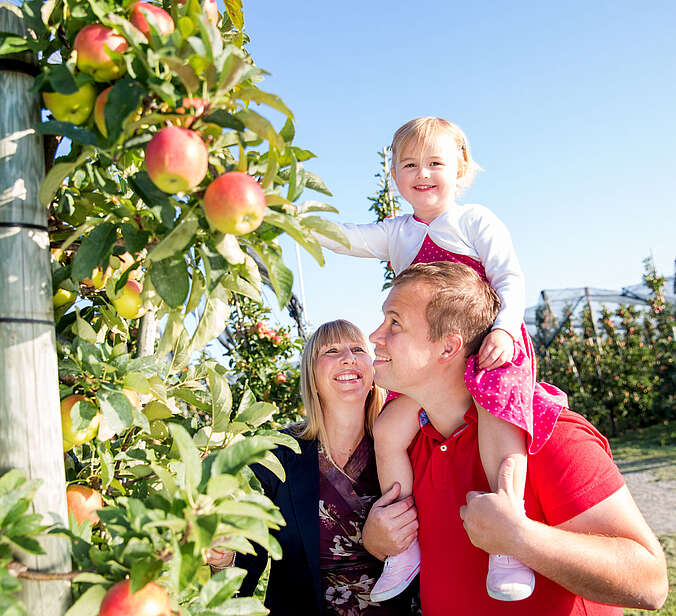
{"points": [[648, 449], [652, 449]]}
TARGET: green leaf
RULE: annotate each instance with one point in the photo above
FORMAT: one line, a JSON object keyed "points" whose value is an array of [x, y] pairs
{"points": [[265, 98], [288, 131], [237, 284], [273, 465], [177, 240], [221, 401], [280, 276], [82, 413], [143, 571], [224, 119], [280, 438], [117, 412], [89, 602], [241, 453], [222, 586], [312, 180], [235, 13], [325, 228], [257, 414], [107, 464], [12, 43], [296, 180], [170, 279], [212, 321], [75, 133], [94, 250], [125, 98], [135, 239], [157, 201], [61, 79], [189, 455], [242, 606], [316, 206], [228, 246], [233, 69], [83, 329], [261, 126], [293, 227], [57, 174]]}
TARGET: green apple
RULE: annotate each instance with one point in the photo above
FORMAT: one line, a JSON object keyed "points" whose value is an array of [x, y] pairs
{"points": [[73, 108], [129, 304], [62, 297], [72, 437]]}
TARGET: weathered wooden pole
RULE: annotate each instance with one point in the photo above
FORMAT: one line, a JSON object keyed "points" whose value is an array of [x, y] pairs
{"points": [[30, 423]]}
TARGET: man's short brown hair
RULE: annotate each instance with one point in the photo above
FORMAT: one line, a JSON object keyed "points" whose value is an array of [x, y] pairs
{"points": [[463, 303]]}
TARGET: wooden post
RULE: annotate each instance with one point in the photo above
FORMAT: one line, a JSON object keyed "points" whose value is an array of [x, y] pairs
{"points": [[30, 420], [147, 334]]}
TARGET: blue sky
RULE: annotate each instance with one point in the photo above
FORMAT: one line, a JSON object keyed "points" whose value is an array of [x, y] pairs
{"points": [[568, 107]]}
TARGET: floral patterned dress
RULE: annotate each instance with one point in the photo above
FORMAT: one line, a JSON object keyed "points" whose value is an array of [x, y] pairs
{"points": [[348, 571]]}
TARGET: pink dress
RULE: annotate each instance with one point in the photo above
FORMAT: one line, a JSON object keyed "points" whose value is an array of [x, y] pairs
{"points": [[511, 391]]}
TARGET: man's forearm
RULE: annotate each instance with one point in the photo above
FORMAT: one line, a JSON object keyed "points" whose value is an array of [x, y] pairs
{"points": [[612, 570]]}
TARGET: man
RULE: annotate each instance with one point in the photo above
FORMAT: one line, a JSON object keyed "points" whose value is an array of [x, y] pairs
{"points": [[584, 536]]}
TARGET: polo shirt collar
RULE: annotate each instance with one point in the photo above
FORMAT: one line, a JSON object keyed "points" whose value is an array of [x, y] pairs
{"points": [[431, 432]]}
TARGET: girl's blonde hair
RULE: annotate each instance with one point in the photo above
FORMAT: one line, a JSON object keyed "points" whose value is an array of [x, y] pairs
{"points": [[421, 131], [313, 427]]}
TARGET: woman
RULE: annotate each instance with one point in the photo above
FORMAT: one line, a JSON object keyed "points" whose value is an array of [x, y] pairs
{"points": [[329, 488]]}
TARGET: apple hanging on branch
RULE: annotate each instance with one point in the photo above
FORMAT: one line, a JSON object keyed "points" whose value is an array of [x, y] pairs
{"points": [[84, 502], [158, 16], [234, 203], [92, 45], [176, 159], [151, 600], [71, 436], [74, 107], [129, 304]]}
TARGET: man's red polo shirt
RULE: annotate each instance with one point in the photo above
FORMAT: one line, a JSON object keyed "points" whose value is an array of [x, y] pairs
{"points": [[572, 472]]}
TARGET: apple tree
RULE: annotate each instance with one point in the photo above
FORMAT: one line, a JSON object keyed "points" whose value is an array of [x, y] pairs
{"points": [[169, 186]]}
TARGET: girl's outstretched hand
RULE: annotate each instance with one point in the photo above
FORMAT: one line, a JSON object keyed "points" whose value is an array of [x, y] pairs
{"points": [[496, 349]]}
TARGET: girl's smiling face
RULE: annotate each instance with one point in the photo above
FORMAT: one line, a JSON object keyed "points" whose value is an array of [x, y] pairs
{"points": [[427, 178], [343, 371]]}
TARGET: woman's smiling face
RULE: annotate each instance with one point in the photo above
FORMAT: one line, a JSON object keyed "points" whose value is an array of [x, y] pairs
{"points": [[343, 371]]}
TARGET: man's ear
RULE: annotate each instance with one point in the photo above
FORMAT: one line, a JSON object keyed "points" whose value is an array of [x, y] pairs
{"points": [[453, 346]]}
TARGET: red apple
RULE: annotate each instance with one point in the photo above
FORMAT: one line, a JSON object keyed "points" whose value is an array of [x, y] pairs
{"points": [[84, 503], [151, 600], [162, 20], [72, 437], [73, 108], [234, 203], [92, 44], [176, 159], [129, 304], [99, 109]]}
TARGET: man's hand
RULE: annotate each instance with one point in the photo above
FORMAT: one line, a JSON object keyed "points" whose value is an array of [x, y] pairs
{"points": [[219, 558], [495, 521], [391, 526], [496, 349]]}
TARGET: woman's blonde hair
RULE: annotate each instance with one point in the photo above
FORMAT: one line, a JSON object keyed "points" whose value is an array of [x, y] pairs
{"points": [[313, 427], [421, 131]]}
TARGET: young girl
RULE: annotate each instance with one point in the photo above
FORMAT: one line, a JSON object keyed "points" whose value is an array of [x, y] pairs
{"points": [[430, 162]]}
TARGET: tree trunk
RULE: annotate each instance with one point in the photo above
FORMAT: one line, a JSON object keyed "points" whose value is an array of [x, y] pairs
{"points": [[30, 421]]}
